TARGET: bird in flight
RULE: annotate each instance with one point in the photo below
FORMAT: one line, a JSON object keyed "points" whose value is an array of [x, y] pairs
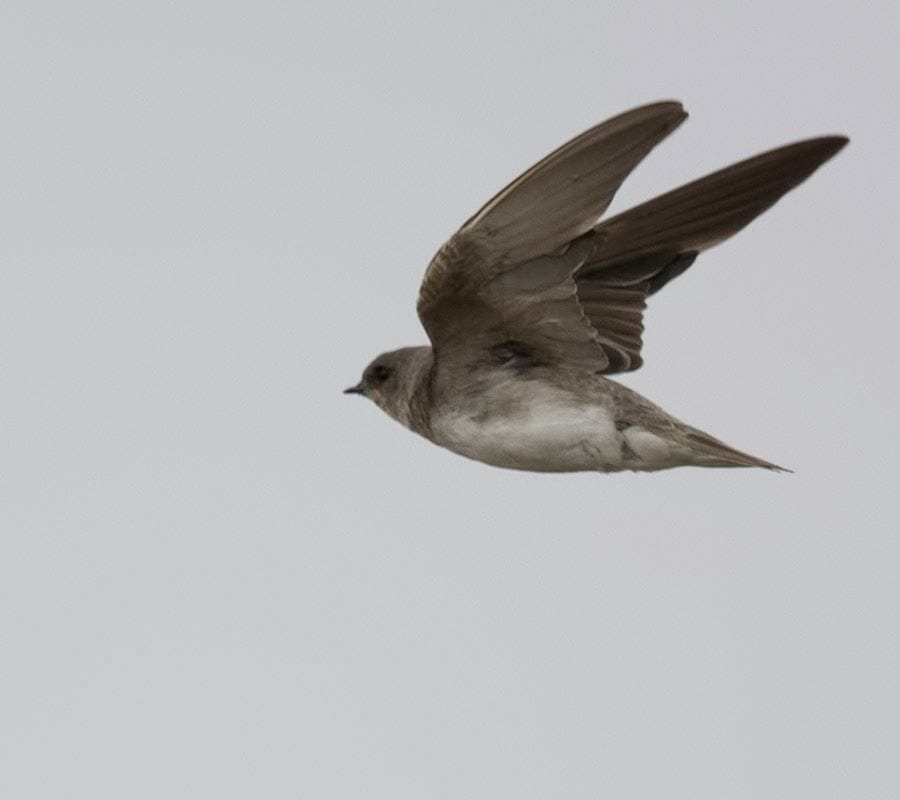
{"points": [[535, 300]]}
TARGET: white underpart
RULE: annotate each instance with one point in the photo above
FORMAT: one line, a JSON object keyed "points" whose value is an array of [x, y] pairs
{"points": [[549, 430], [649, 448]]}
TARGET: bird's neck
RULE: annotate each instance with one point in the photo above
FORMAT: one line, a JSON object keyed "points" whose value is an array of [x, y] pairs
{"points": [[418, 407]]}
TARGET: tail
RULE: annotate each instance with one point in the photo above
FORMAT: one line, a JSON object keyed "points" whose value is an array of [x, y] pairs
{"points": [[710, 452]]}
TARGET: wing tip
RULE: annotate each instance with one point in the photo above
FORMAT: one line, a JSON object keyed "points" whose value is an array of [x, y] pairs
{"points": [[832, 144], [672, 111], [818, 150], [670, 103]]}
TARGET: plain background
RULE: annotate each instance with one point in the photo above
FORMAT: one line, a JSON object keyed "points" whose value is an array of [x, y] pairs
{"points": [[221, 578]]}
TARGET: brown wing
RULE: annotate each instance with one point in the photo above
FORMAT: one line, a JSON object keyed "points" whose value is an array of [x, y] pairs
{"points": [[642, 249], [614, 296], [508, 271], [534, 270]]}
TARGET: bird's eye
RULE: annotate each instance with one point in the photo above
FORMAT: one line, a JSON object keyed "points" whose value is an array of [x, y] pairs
{"points": [[380, 373]]}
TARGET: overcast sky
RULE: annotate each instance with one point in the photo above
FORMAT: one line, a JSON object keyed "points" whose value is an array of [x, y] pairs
{"points": [[220, 578]]}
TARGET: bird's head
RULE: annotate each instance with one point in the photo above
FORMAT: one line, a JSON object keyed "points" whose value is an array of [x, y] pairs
{"points": [[392, 378]]}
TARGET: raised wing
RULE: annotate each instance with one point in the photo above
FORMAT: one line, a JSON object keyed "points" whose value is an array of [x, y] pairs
{"points": [[564, 194], [641, 250], [468, 295], [534, 273]]}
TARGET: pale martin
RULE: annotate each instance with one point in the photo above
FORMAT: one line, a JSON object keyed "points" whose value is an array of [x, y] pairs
{"points": [[535, 301]]}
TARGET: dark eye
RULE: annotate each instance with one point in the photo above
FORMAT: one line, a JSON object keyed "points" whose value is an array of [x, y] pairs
{"points": [[380, 373]]}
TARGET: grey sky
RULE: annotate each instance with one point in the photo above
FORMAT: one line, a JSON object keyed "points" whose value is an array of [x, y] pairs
{"points": [[221, 578]]}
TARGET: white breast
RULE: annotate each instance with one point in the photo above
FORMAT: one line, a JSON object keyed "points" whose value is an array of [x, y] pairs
{"points": [[535, 426]]}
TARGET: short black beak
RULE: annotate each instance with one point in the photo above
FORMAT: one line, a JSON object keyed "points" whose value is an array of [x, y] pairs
{"points": [[358, 389]]}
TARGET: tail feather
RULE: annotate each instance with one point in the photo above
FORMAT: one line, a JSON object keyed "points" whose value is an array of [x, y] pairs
{"points": [[713, 453]]}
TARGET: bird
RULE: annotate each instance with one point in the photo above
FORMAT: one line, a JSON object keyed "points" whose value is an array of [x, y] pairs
{"points": [[537, 299]]}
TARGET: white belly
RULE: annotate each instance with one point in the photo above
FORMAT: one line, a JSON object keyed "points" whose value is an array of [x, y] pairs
{"points": [[547, 430]]}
